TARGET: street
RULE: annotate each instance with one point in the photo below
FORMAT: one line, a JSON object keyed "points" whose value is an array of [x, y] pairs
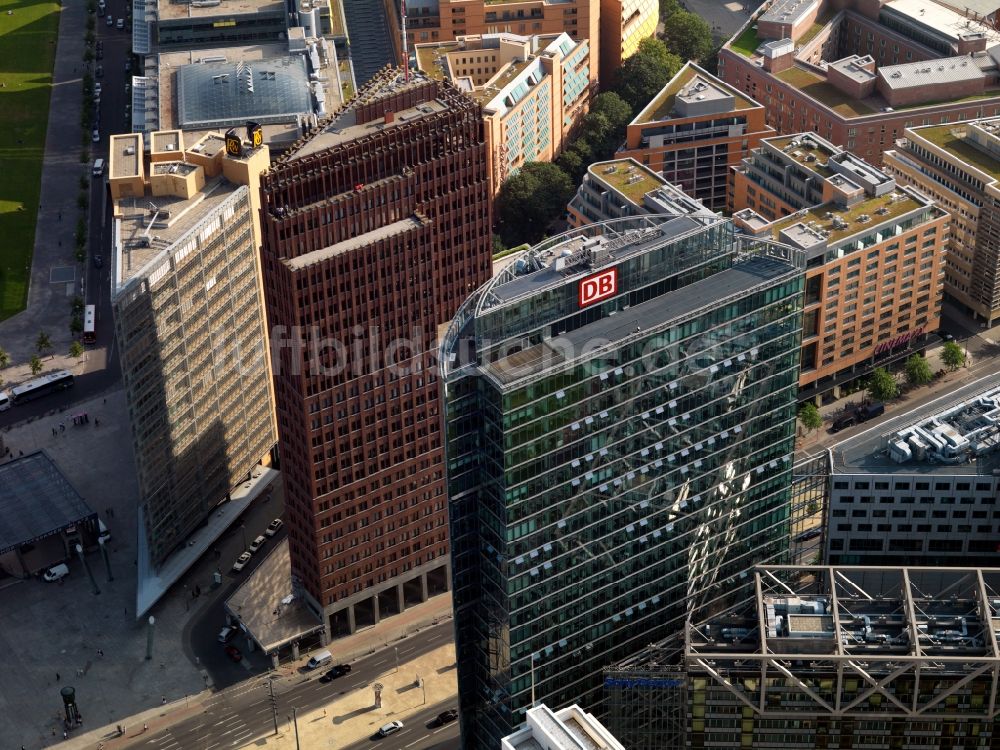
{"points": [[418, 733], [101, 371], [236, 716]]}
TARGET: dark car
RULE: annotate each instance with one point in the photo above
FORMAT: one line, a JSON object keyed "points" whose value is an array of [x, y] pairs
{"points": [[842, 423], [99, 72], [98, 261], [805, 536], [338, 671], [234, 653], [869, 411], [445, 717]]}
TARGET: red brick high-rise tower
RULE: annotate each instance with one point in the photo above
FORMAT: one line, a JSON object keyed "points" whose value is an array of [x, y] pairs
{"points": [[376, 226]]}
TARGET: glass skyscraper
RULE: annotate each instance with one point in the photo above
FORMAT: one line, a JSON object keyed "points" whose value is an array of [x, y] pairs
{"points": [[620, 413]]}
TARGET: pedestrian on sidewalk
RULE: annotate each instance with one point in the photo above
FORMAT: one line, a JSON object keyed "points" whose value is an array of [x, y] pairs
{"points": [[57, 677], [145, 726]]}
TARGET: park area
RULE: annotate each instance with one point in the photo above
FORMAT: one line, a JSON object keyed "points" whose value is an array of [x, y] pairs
{"points": [[28, 33]]}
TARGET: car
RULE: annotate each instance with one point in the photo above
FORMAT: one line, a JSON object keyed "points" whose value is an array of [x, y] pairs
{"points": [[56, 572], [227, 634], [99, 72], [445, 717], [391, 728], [241, 562], [274, 527], [234, 653], [100, 44], [97, 87], [96, 136], [128, 66], [128, 89], [257, 543], [338, 671], [98, 261], [805, 536], [100, 54], [120, 24], [97, 98], [111, 21]]}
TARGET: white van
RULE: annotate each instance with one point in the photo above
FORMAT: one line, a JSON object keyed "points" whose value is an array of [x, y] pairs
{"points": [[4, 401], [98, 170], [319, 660], [56, 572]]}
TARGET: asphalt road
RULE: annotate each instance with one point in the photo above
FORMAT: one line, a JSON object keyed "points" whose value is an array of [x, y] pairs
{"points": [[418, 733], [97, 287], [202, 634], [235, 717]]}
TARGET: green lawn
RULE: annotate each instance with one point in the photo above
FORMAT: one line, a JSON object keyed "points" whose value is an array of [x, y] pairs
{"points": [[746, 43], [27, 49], [813, 85]]}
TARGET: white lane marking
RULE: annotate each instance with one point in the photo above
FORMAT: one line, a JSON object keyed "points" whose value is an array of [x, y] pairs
{"points": [[415, 741]]}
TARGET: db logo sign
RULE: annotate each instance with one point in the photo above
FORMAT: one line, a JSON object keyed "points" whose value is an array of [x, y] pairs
{"points": [[599, 286]]}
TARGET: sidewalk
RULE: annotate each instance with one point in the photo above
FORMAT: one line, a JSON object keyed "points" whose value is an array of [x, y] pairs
{"points": [[821, 437], [397, 701], [49, 296], [353, 717]]}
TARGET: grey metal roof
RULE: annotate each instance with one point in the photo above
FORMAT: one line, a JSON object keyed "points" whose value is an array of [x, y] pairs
{"points": [[36, 501], [216, 95], [787, 11], [930, 72]]}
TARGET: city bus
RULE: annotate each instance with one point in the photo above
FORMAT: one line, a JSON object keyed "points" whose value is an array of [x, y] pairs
{"points": [[46, 384], [90, 324]]}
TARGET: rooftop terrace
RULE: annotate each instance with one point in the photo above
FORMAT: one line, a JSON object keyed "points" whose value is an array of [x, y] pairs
{"points": [[662, 105], [810, 153], [815, 86], [171, 11], [628, 177], [951, 138], [839, 222], [150, 225]]}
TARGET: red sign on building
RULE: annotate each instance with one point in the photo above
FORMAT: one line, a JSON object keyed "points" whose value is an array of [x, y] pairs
{"points": [[901, 340], [599, 286]]}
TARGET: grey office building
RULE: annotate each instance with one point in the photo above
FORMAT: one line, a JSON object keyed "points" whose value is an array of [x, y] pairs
{"points": [[922, 487], [620, 406]]}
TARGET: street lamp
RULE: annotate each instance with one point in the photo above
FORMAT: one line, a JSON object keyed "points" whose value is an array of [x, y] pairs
{"points": [[396, 650], [243, 527]]}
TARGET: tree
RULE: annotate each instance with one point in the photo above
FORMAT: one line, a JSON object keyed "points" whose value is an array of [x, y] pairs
{"points": [[612, 106], [76, 349], [43, 342], [688, 36], [918, 371], [882, 385], [4, 358], [572, 164], [952, 355], [642, 75], [35, 364], [810, 417], [668, 8], [529, 200], [596, 128]]}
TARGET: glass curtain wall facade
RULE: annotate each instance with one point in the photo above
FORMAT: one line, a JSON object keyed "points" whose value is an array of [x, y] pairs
{"points": [[615, 464]]}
